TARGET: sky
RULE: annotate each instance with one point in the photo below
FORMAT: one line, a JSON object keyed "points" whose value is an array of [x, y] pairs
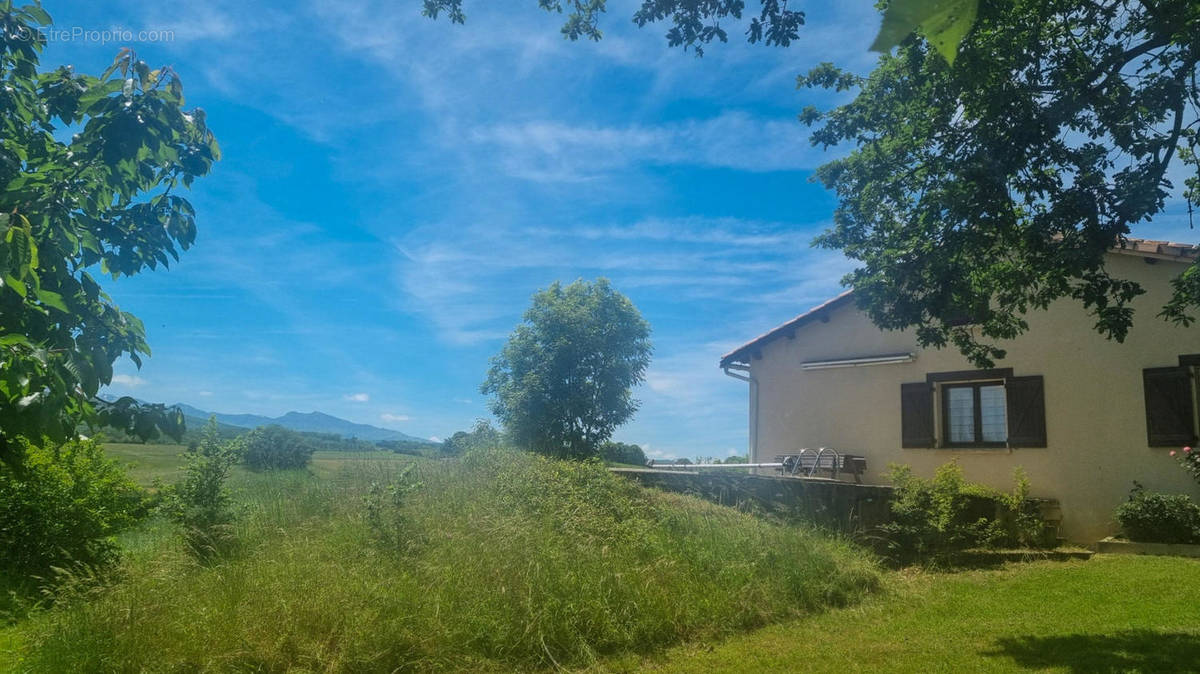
{"points": [[393, 189]]}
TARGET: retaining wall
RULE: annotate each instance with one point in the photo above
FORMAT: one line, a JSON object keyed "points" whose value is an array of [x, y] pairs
{"points": [[842, 506]]}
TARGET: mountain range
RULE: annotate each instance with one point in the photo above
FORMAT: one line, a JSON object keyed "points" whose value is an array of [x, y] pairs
{"points": [[313, 422]]}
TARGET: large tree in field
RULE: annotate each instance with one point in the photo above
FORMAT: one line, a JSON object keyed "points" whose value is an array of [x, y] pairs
{"points": [[563, 382], [995, 155], [90, 170]]}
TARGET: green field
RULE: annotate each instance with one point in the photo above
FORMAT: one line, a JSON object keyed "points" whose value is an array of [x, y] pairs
{"points": [[509, 563], [150, 462]]}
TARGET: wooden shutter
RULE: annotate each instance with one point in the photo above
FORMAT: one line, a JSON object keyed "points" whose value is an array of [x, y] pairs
{"points": [[1026, 411], [916, 415], [1168, 406]]}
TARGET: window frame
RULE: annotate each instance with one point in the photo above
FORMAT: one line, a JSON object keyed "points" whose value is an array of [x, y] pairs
{"points": [[944, 408]]}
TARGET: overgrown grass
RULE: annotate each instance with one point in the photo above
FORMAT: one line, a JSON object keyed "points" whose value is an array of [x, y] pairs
{"points": [[495, 561]]}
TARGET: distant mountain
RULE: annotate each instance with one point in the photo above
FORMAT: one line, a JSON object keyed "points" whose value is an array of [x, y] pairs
{"points": [[312, 422]]}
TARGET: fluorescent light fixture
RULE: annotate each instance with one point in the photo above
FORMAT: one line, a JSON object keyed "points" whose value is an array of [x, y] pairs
{"points": [[863, 361]]}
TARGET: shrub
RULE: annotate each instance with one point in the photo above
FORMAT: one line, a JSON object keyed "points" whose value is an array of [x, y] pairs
{"points": [[1189, 460], [621, 452], [275, 447], [935, 520], [61, 505], [1159, 518], [200, 503]]}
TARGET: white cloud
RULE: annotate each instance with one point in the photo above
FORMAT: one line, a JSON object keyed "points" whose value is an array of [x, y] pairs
{"points": [[394, 418], [128, 381], [434, 438], [473, 281], [556, 151], [205, 394], [357, 397]]}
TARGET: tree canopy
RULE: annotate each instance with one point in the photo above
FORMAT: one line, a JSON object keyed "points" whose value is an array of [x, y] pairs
{"points": [[90, 169], [563, 382], [995, 186]]}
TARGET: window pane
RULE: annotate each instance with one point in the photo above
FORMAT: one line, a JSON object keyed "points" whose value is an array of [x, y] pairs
{"points": [[993, 415], [961, 414]]}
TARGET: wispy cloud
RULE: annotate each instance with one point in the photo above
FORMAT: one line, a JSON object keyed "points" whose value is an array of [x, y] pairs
{"points": [[555, 151], [394, 418], [128, 381]]}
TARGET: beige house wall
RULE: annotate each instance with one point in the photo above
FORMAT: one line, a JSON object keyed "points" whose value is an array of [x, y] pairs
{"points": [[1095, 410]]}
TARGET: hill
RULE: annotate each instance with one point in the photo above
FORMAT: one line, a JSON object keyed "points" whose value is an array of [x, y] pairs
{"points": [[311, 422]]}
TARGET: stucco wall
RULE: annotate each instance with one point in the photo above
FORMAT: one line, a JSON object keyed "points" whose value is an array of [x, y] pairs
{"points": [[1095, 410]]}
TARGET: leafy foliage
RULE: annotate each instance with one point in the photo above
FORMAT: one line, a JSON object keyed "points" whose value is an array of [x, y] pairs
{"points": [[943, 23], [481, 436], [1159, 518], [275, 447], [997, 184], [62, 506], [621, 452], [935, 520], [1189, 460], [200, 503], [693, 24], [562, 384], [101, 198]]}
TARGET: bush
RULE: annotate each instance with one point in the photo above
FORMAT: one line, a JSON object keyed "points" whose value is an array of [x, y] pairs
{"points": [[620, 452], [200, 503], [1189, 460], [61, 505], [275, 447], [935, 520], [1159, 518]]}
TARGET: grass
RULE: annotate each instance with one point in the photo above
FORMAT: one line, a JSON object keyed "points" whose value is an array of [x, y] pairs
{"points": [[1115, 613], [509, 562], [148, 462], [495, 562]]}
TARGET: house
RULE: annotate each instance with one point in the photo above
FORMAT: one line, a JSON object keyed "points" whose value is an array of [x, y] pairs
{"points": [[1082, 415]]}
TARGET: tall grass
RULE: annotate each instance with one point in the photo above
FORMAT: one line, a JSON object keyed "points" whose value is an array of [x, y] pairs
{"points": [[500, 560]]}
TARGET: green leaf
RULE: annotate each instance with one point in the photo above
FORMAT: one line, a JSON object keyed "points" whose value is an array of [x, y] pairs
{"points": [[944, 23], [15, 284], [52, 299]]}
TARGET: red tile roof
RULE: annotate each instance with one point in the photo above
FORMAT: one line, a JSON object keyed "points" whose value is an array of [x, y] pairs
{"points": [[1132, 246]]}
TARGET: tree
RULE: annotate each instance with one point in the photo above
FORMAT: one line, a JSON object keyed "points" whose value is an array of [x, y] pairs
{"points": [[275, 447], [481, 436], [562, 384], [200, 502], [997, 156], [101, 199], [693, 24], [992, 187], [621, 452]]}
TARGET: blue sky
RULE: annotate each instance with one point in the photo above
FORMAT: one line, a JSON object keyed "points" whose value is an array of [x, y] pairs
{"points": [[393, 190]]}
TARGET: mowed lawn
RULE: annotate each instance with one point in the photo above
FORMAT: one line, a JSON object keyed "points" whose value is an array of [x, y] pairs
{"points": [[1114, 613]]}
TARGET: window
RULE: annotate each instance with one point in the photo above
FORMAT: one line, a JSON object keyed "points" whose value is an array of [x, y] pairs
{"points": [[974, 414], [976, 408], [1170, 403]]}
